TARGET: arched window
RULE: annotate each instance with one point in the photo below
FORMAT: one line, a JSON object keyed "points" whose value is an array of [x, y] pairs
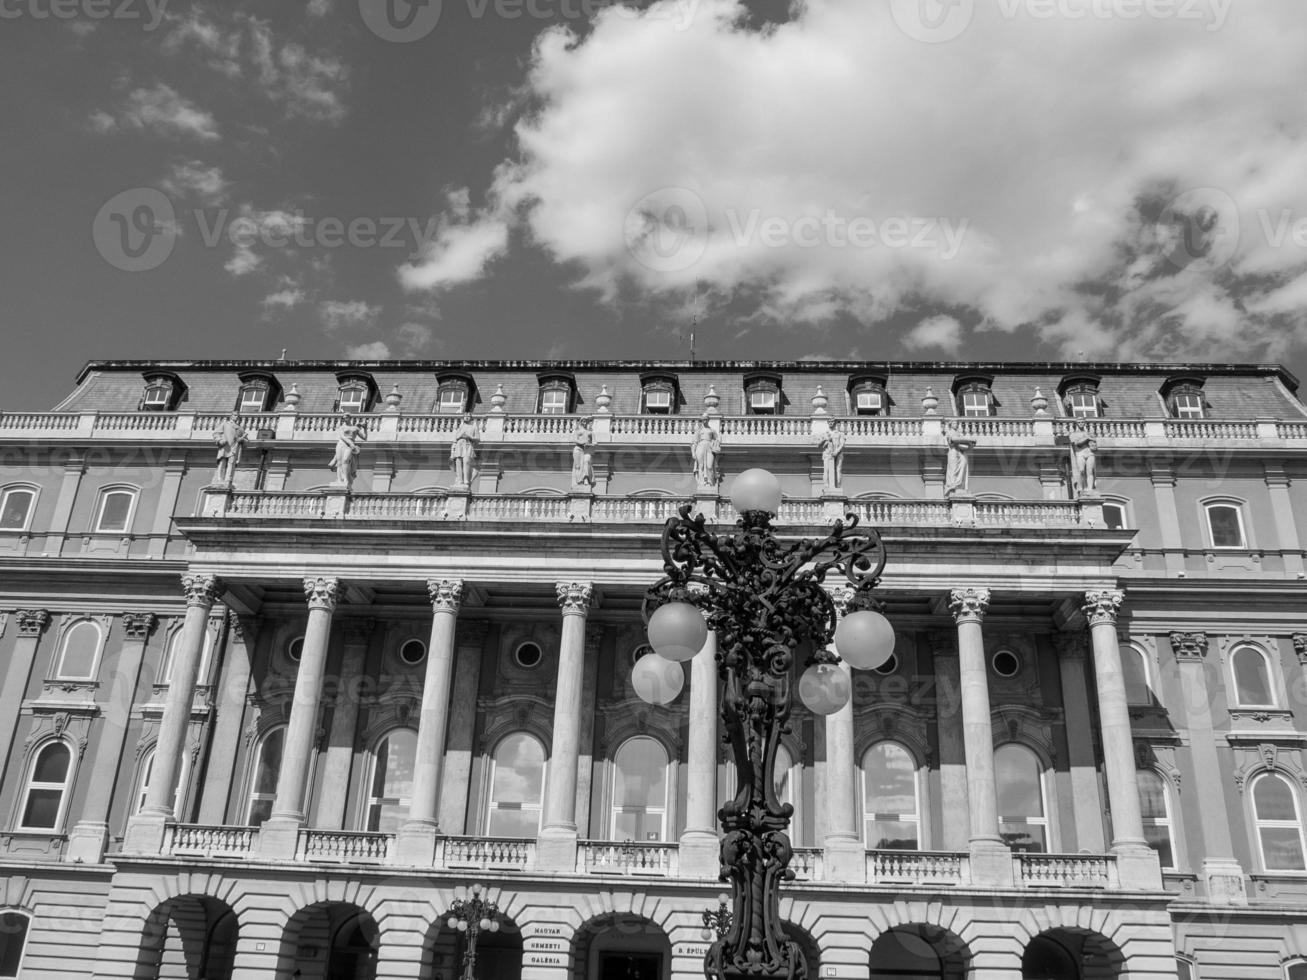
{"points": [[79, 651], [46, 792], [1116, 514], [114, 514], [1155, 804], [391, 784], [13, 943], [1185, 969], [1278, 822], [1225, 525], [975, 396], [1252, 677], [1134, 665], [517, 780], [1019, 778], [267, 767], [891, 802], [16, 510], [1293, 970], [206, 657], [147, 772], [639, 805]]}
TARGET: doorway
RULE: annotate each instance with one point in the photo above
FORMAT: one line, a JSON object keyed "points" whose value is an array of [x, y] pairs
{"points": [[630, 966]]}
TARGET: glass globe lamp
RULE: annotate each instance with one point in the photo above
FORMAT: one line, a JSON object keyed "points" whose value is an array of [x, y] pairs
{"points": [[657, 681], [865, 639], [824, 688], [677, 631], [756, 490]]}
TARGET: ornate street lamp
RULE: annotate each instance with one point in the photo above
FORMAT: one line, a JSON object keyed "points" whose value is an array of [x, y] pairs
{"points": [[766, 602], [472, 916], [717, 922]]}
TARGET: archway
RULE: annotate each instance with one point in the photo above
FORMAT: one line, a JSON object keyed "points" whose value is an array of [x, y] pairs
{"points": [[190, 937], [811, 952], [329, 941], [1071, 954], [918, 952], [499, 954], [621, 947]]}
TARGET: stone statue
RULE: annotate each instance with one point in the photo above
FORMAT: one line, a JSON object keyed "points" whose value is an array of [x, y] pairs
{"points": [[705, 449], [346, 460], [957, 477], [1084, 476], [231, 437], [463, 450], [832, 455], [583, 440]]}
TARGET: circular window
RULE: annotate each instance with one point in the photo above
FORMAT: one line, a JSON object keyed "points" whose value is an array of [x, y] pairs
{"points": [[295, 649], [412, 652], [528, 655], [1006, 663], [890, 665]]}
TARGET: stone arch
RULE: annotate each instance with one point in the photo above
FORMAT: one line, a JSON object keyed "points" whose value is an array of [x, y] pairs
{"points": [[187, 937], [499, 952], [1071, 953], [1094, 936], [919, 950], [637, 939], [329, 940]]}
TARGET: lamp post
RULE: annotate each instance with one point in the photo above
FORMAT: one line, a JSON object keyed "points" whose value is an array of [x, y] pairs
{"points": [[472, 916], [717, 922], [766, 602]]}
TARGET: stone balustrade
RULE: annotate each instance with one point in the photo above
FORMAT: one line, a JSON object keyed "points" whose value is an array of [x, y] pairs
{"points": [[1066, 871], [486, 853], [193, 840], [627, 858], [344, 847], [920, 868]]}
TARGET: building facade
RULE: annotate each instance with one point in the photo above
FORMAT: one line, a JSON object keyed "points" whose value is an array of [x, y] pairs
{"points": [[294, 654]]}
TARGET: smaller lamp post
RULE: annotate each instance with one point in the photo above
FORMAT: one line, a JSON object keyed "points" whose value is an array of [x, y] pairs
{"points": [[717, 922], [472, 916]]}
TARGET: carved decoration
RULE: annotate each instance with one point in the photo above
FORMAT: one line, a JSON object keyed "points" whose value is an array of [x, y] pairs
{"points": [[31, 622], [1102, 606], [518, 712], [841, 595], [1027, 726], [621, 720], [321, 593], [574, 598], [968, 605], [1267, 756], [446, 594], [200, 590], [902, 723], [139, 626], [1300, 647]]}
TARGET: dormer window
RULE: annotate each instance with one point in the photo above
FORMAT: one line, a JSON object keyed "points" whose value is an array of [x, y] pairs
{"points": [[975, 397], [259, 391], [162, 392], [659, 394], [1080, 397], [557, 394], [867, 396], [1184, 398], [453, 394], [357, 393], [762, 394]]}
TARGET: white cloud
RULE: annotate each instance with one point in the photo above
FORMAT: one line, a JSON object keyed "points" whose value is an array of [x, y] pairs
{"points": [[160, 110], [244, 260], [1031, 158], [283, 299], [347, 315], [414, 338], [375, 351], [941, 332], [195, 178]]}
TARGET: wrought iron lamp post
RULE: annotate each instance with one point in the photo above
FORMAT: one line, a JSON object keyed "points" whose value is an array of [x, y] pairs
{"points": [[717, 922], [765, 600], [472, 916]]}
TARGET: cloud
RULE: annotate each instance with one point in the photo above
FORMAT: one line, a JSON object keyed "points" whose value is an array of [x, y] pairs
{"points": [[941, 332], [159, 110], [319, 8], [414, 338], [1063, 176], [284, 299], [339, 315], [244, 261], [375, 351], [194, 178]]}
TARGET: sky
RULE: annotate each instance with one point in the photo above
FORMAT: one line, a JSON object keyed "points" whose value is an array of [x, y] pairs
{"points": [[875, 179]]}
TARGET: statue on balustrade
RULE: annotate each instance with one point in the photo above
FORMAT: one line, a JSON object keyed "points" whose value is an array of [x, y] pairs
{"points": [[957, 477], [463, 450], [231, 437], [705, 449], [832, 455], [1084, 466], [583, 440], [346, 460]]}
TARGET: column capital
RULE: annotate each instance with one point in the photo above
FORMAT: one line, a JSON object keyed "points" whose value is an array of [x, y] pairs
{"points": [[201, 590], [138, 625], [446, 594], [1300, 647], [574, 598], [1191, 647], [321, 593], [241, 627], [1102, 605], [1070, 644], [968, 605], [31, 622]]}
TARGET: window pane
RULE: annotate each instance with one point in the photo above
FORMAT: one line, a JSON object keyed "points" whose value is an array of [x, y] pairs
{"points": [[51, 765], [519, 770], [1273, 799], [891, 780], [451, 401], [1282, 848], [269, 762], [80, 646], [1250, 677], [868, 400], [1189, 406], [514, 823], [1016, 771], [1136, 676], [351, 399], [397, 769], [13, 937], [13, 516], [156, 397], [114, 511], [1296, 971], [42, 810], [553, 401], [1152, 795], [891, 835], [1114, 516], [260, 810], [1084, 404], [1159, 839], [1227, 531], [1023, 837], [252, 399], [975, 403]]}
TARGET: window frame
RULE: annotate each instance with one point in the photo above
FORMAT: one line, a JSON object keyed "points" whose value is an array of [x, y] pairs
{"points": [[1268, 669], [915, 818], [252, 794], [30, 785], [1288, 965], [352, 398], [105, 493], [372, 802], [1228, 503], [1044, 821], [663, 813], [27, 932], [1145, 662], [72, 626], [492, 805], [451, 406], [1123, 506], [1167, 821], [768, 385], [170, 385], [8, 490], [1259, 824], [206, 655], [1075, 404], [145, 770]]}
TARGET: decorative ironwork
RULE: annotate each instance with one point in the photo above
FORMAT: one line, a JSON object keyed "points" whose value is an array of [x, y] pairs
{"points": [[766, 601], [470, 916], [717, 921]]}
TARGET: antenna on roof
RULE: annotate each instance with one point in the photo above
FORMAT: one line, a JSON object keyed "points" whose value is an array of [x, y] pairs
{"points": [[694, 321], [283, 354]]}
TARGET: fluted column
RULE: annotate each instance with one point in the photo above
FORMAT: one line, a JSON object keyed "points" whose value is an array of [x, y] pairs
{"points": [[145, 830], [289, 808], [845, 856], [699, 848], [31, 624], [418, 835], [558, 833], [87, 842], [969, 607]]}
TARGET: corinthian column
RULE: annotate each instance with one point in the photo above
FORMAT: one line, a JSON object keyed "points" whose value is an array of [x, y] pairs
{"points": [[698, 845], [31, 624], [558, 833], [845, 855]]}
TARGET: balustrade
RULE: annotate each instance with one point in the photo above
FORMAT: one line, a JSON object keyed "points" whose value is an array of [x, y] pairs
{"points": [[344, 846], [486, 853], [1066, 870], [194, 840], [916, 867], [629, 858]]}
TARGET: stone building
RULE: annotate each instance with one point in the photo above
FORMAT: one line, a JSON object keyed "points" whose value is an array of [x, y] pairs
{"points": [[277, 690]]}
